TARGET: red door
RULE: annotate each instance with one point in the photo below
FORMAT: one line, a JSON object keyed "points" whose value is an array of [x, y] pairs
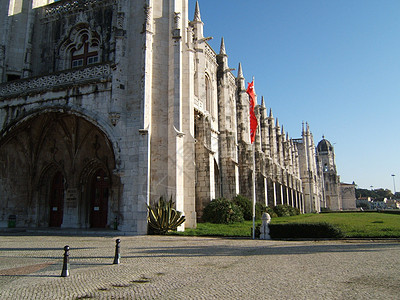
{"points": [[99, 200], [57, 200]]}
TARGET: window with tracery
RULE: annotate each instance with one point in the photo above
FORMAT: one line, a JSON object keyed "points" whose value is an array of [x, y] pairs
{"points": [[81, 48], [85, 53]]}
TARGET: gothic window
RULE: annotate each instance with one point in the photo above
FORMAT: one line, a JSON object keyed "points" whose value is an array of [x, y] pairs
{"points": [[81, 48], [208, 93], [85, 53]]}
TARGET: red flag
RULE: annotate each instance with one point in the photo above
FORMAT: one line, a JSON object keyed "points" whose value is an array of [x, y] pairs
{"points": [[253, 119]]}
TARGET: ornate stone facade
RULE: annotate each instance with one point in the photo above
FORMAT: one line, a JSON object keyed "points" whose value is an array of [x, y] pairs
{"points": [[337, 195], [105, 106]]}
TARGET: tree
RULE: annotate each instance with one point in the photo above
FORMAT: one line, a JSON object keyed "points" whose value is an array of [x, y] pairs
{"points": [[377, 194]]}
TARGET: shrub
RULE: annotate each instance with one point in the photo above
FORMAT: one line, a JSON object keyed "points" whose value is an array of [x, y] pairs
{"points": [[294, 211], [245, 205], [222, 211], [281, 210], [391, 211], [163, 217], [286, 210], [306, 230]]}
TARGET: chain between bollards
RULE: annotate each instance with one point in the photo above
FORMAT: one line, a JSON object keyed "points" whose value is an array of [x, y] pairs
{"points": [[65, 269], [117, 254]]}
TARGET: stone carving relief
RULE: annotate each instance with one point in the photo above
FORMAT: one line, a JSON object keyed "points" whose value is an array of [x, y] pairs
{"points": [[114, 118], [65, 7], [47, 82]]}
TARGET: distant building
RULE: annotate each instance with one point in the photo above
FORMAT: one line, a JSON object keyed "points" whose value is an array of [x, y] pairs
{"points": [[338, 196], [392, 203], [347, 191], [364, 203]]}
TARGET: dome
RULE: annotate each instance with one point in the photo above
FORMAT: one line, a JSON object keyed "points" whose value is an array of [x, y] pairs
{"points": [[324, 146]]}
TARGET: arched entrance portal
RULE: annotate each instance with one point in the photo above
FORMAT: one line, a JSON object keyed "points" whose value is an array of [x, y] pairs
{"points": [[57, 201], [57, 171], [99, 199]]}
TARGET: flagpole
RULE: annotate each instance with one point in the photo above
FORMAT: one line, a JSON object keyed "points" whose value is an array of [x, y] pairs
{"points": [[254, 191], [253, 129], [254, 182]]}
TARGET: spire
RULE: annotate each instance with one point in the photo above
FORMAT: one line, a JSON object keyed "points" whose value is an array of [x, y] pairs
{"points": [[262, 102], [240, 72], [270, 113], [222, 49], [277, 123], [197, 16]]}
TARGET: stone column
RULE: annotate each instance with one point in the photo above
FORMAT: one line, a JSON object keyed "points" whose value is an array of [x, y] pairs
{"points": [[188, 128], [292, 198], [266, 190], [175, 136], [287, 196]]}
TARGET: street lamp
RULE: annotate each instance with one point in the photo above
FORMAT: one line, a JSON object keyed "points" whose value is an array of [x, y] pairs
{"points": [[394, 185]]}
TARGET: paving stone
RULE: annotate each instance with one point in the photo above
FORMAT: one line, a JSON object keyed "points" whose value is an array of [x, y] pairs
{"points": [[158, 267]]}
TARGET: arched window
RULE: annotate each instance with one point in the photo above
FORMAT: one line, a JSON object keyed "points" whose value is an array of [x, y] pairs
{"points": [[85, 53], [208, 104], [80, 48]]}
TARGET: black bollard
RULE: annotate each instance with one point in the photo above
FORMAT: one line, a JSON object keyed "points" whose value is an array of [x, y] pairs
{"points": [[65, 270], [117, 254]]}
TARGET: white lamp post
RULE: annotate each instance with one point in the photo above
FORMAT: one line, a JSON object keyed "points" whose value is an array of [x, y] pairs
{"points": [[394, 185]]}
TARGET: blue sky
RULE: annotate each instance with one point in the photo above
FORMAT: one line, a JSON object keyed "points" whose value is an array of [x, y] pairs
{"points": [[333, 64]]}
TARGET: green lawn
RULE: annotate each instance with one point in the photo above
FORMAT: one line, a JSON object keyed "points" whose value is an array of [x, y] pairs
{"points": [[367, 224]]}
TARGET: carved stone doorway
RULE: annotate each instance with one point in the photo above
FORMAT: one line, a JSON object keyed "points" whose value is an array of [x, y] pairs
{"points": [[99, 199], [57, 200]]}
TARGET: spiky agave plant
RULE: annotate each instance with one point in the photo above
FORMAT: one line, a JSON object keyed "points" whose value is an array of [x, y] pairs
{"points": [[163, 217]]}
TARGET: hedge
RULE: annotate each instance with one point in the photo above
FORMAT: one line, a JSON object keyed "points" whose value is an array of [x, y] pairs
{"points": [[303, 230]]}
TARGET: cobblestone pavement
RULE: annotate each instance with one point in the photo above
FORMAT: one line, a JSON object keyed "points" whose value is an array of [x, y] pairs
{"points": [[154, 267]]}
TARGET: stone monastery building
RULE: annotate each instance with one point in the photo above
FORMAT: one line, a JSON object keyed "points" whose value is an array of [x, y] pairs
{"points": [[106, 105]]}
